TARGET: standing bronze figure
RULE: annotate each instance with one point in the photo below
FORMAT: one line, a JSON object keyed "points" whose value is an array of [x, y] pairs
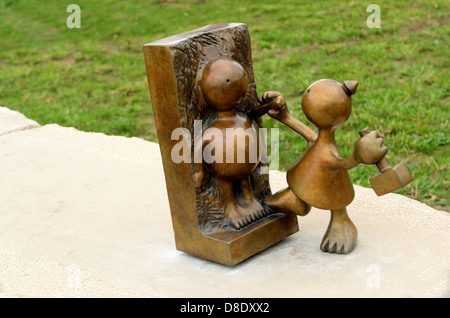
{"points": [[319, 178]]}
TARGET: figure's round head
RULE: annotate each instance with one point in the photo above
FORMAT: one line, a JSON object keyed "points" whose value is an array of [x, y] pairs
{"points": [[327, 103], [224, 83]]}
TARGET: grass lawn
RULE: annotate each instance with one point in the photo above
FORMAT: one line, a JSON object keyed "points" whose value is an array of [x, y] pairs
{"points": [[93, 78]]}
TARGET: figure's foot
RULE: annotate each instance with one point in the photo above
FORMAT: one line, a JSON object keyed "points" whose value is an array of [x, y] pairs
{"points": [[232, 211], [286, 201], [341, 234], [252, 211], [234, 218]]}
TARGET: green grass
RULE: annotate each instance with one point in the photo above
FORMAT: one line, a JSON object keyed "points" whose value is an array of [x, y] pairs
{"points": [[93, 78]]}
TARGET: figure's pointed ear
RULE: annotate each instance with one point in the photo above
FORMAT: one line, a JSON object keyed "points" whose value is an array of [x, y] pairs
{"points": [[350, 87]]}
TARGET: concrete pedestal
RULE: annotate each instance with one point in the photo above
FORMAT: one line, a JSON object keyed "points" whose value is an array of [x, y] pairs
{"points": [[87, 215]]}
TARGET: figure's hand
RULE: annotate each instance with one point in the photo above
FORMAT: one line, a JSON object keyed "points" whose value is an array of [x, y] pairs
{"points": [[276, 102], [369, 149], [201, 177]]}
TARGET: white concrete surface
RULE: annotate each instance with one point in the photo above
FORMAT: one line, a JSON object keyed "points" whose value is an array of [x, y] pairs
{"points": [[11, 121], [86, 215]]}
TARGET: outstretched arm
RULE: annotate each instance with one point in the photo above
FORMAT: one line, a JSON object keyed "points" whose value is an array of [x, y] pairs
{"points": [[368, 150], [286, 118], [343, 163], [280, 112]]}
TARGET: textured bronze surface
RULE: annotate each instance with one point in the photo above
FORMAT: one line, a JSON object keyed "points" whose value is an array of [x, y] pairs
{"points": [[216, 208]]}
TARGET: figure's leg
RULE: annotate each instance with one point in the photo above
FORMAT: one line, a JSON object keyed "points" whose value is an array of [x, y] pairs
{"points": [[341, 234], [286, 201], [231, 211], [250, 208]]}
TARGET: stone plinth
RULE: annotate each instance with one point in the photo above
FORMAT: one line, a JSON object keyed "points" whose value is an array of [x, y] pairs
{"points": [[87, 215]]}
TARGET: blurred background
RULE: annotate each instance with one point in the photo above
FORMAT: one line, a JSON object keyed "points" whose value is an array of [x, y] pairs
{"points": [[93, 77]]}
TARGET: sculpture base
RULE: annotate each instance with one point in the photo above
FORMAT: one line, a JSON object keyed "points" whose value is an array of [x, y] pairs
{"points": [[231, 248]]}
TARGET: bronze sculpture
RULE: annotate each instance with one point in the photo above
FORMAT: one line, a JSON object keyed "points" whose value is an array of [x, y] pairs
{"points": [[216, 207], [319, 177], [222, 207]]}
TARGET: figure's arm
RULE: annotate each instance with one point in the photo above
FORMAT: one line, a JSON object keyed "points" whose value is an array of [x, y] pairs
{"points": [[260, 111], [343, 163], [368, 150], [286, 118], [201, 174], [280, 112]]}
